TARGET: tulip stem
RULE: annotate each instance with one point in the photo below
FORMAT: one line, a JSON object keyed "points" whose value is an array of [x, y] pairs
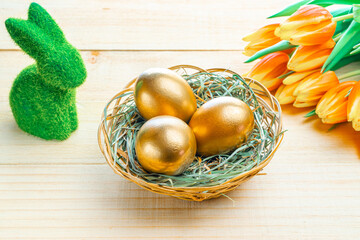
{"points": [[343, 17], [310, 114], [349, 74], [337, 37]]}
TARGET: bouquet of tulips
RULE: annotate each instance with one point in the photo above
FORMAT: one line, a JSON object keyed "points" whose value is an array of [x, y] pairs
{"points": [[298, 58]]}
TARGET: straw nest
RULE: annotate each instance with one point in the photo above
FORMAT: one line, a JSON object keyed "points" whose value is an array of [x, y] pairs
{"points": [[205, 178]]}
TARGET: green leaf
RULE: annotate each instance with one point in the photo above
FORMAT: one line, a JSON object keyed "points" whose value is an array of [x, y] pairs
{"points": [[283, 45], [343, 47], [357, 45], [333, 127], [342, 25], [324, 3], [345, 2], [310, 114], [356, 51], [290, 9], [357, 12], [341, 11], [345, 61]]}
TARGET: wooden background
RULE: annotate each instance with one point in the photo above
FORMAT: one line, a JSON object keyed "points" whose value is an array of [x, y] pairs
{"points": [[65, 190]]}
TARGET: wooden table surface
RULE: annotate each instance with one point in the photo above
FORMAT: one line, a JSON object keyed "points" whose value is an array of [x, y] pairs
{"points": [[65, 190]]}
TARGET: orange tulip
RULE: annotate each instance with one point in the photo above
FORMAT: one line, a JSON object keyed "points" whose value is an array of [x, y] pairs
{"points": [[285, 93], [260, 39], [298, 76], [313, 87], [269, 69], [306, 58], [332, 106], [353, 108], [310, 25]]}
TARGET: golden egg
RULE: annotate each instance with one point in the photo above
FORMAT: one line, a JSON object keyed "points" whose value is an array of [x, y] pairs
{"points": [[160, 91], [165, 145], [221, 125]]}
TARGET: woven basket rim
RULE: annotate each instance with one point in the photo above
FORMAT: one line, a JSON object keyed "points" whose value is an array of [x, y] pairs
{"points": [[103, 144]]}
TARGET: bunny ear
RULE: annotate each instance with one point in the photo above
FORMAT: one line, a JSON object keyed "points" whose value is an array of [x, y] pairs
{"points": [[43, 20], [28, 36]]}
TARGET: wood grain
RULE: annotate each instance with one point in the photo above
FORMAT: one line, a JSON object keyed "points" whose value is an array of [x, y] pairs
{"points": [[91, 202], [65, 190], [142, 24], [116, 68]]}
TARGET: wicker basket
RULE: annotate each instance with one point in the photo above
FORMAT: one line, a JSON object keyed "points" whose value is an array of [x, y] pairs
{"points": [[266, 101]]}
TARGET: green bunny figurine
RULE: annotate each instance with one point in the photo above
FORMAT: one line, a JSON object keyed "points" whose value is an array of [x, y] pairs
{"points": [[42, 97]]}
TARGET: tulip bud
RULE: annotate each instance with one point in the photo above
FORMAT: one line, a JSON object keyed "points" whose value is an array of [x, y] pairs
{"points": [[310, 25], [353, 108], [313, 87], [269, 69], [332, 106], [298, 76], [261, 39], [285, 93], [306, 58]]}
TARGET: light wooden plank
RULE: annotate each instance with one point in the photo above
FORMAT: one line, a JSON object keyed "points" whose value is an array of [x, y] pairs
{"points": [[91, 201], [212, 232], [109, 71], [143, 24]]}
